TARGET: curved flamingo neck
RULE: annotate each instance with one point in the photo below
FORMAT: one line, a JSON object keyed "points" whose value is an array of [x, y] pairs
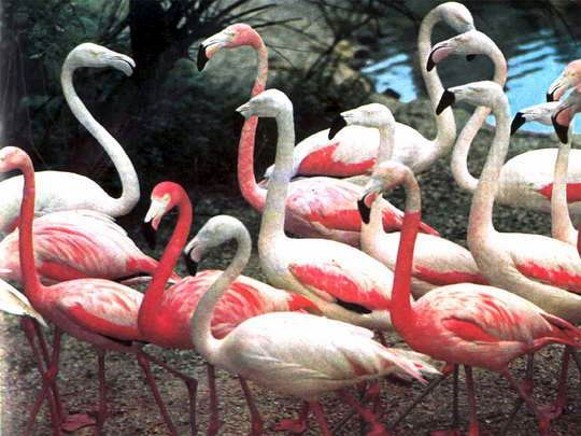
{"points": [[385, 148], [32, 286], [403, 317], [272, 224], [561, 225], [154, 292], [201, 324], [480, 223], [459, 162], [129, 181], [252, 193], [445, 122]]}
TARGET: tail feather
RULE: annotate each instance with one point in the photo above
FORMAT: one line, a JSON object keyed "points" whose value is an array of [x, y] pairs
{"points": [[571, 334], [411, 363]]}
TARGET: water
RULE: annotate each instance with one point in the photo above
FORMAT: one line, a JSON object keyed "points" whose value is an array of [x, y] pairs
{"points": [[537, 39]]}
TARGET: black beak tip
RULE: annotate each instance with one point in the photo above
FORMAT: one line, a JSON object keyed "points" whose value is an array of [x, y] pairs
{"points": [[430, 64], [561, 131], [149, 235], [446, 100], [202, 58], [337, 124], [517, 122], [364, 211], [470, 57], [550, 96], [192, 266]]}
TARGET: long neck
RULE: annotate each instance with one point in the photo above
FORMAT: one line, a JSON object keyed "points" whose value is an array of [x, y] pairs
{"points": [[561, 225], [251, 192], [32, 286], [385, 149], [129, 181], [204, 341], [155, 290], [459, 163], [480, 220], [272, 224], [445, 121], [402, 314]]}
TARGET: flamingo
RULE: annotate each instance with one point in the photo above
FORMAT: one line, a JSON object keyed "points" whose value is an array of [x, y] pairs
{"points": [[320, 207], [526, 180], [15, 303], [296, 354], [569, 78], [77, 244], [61, 190], [345, 283], [101, 312], [539, 268], [467, 323], [164, 316], [353, 151], [437, 260]]}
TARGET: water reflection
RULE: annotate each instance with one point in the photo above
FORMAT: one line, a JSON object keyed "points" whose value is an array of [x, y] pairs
{"points": [[537, 38]]}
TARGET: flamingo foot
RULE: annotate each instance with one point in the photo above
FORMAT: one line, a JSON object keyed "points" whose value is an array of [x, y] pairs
{"points": [[295, 426], [76, 421]]}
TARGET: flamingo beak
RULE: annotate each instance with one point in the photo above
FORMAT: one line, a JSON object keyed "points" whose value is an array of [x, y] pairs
{"points": [[14, 302], [370, 193], [558, 87], [561, 120], [446, 101], [517, 122], [210, 46], [338, 123], [245, 110], [202, 59], [439, 52], [192, 256], [123, 63]]}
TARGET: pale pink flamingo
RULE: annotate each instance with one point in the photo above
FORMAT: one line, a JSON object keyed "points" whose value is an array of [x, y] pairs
{"points": [[437, 261], [61, 190], [101, 312], [292, 353], [164, 317], [320, 207], [526, 180], [539, 268], [353, 151], [465, 323], [77, 244], [569, 78], [16, 303], [345, 283]]}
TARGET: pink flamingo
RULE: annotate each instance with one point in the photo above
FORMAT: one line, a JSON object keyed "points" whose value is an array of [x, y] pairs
{"points": [[319, 207], [292, 353], [77, 244], [437, 261], [569, 78], [61, 190], [164, 317], [345, 283], [526, 180], [101, 312], [538, 268], [354, 150], [468, 324]]}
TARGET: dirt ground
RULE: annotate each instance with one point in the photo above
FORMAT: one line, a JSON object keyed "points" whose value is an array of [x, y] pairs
{"points": [[131, 407]]}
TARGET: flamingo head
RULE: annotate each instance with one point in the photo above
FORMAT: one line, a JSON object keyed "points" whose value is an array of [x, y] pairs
{"points": [[483, 93], [235, 35], [96, 56], [12, 158], [369, 115], [540, 113], [164, 197], [570, 77], [267, 104], [564, 114], [215, 232], [456, 15], [470, 43]]}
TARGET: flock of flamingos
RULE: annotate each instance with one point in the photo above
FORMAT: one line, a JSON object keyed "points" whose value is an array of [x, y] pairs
{"points": [[360, 267]]}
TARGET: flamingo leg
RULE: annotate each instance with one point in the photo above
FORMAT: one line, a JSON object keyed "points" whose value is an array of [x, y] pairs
{"points": [[576, 359], [255, 418], [143, 361], [527, 387], [368, 416], [298, 425], [455, 418], [473, 429], [214, 424], [191, 385], [561, 400], [102, 414], [320, 417]]}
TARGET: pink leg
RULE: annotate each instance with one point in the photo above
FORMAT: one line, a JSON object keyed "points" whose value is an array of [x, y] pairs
{"points": [[214, 424], [377, 428], [295, 426], [255, 418], [320, 417], [561, 400], [474, 431], [373, 395], [143, 361], [102, 414]]}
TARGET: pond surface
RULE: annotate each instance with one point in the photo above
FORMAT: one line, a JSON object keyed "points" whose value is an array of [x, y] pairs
{"points": [[538, 39]]}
